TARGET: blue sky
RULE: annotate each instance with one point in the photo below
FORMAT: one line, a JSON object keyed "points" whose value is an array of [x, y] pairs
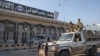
{"points": [[87, 10]]}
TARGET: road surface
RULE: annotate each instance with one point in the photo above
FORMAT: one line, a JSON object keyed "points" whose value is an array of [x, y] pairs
{"points": [[29, 52], [26, 52], [98, 50]]}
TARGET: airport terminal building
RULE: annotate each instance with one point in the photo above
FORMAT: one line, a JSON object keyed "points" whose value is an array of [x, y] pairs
{"points": [[19, 23]]}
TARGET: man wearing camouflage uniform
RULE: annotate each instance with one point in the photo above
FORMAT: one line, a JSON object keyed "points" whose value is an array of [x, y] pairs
{"points": [[79, 25], [70, 27]]}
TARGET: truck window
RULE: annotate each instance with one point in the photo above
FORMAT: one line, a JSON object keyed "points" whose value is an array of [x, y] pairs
{"points": [[77, 37], [66, 37]]}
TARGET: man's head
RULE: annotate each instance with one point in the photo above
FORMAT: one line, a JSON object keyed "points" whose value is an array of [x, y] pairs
{"points": [[70, 22], [77, 39], [79, 20]]}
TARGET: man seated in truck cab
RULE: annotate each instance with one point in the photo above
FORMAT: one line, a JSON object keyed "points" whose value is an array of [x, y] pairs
{"points": [[77, 38]]}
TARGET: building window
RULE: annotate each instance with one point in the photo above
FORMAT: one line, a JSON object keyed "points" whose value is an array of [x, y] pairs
{"points": [[20, 33], [2, 29], [10, 37], [42, 30], [52, 30], [35, 30], [27, 33], [62, 30], [48, 30], [10, 29]]}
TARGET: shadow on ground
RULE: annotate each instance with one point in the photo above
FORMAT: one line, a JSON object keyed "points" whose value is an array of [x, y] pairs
{"points": [[98, 54]]}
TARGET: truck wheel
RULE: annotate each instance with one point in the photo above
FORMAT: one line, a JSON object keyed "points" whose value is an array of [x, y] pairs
{"points": [[93, 51], [64, 53]]}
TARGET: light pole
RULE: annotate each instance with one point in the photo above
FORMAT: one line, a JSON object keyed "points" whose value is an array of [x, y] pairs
{"points": [[19, 1], [63, 11]]}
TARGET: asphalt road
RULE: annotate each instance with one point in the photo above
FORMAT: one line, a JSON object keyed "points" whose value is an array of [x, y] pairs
{"points": [[29, 52], [26, 52], [98, 50]]}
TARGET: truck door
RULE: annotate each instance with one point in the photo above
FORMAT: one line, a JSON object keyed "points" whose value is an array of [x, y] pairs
{"points": [[78, 43]]}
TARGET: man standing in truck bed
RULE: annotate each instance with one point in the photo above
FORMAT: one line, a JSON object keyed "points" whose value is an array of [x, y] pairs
{"points": [[79, 25]]}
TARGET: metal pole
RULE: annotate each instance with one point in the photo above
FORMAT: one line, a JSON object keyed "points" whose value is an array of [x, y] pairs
{"points": [[63, 11], [64, 19], [64, 15], [19, 1]]}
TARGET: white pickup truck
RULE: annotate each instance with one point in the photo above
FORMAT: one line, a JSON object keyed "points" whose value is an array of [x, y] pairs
{"points": [[72, 43]]}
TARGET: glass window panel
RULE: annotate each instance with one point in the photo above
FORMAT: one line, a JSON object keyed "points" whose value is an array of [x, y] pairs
{"points": [[11, 25], [35, 29], [48, 30], [53, 30], [42, 30], [27, 33], [20, 33], [10, 36], [2, 28]]}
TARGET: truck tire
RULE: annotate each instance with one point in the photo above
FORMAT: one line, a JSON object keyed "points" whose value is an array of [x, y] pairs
{"points": [[64, 53], [93, 51]]}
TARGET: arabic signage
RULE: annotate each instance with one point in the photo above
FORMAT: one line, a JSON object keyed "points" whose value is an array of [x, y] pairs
{"points": [[25, 9]]}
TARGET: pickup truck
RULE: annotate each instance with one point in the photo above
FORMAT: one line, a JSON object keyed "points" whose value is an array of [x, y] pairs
{"points": [[70, 44]]}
